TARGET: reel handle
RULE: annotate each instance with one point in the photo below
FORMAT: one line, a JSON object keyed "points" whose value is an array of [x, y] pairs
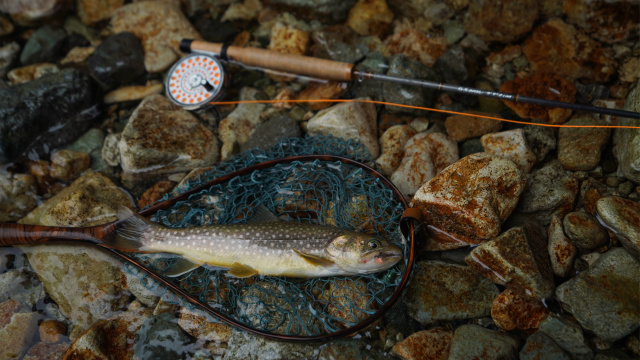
{"points": [[273, 60]]}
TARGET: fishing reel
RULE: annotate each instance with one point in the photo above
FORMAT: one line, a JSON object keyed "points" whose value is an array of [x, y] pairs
{"points": [[196, 80]]}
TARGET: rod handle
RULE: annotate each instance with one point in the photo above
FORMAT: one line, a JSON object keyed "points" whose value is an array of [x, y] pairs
{"points": [[12, 234], [273, 60]]}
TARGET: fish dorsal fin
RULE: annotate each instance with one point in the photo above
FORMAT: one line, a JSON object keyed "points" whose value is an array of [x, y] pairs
{"points": [[129, 231], [181, 266], [241, 270], [314, 259], [262, 215]]}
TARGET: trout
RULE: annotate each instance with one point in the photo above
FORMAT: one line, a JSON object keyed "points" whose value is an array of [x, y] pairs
{"points": [[267, 246]]}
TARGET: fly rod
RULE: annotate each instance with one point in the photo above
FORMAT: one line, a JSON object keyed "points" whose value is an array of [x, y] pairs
{"points": [[199, 78]]}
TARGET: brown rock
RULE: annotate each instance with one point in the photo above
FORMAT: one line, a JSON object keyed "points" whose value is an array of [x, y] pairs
{"points": [[462, 127], [155, 193], [417, 45], [92, 11], [512, 311], [288, 39], [67, 165], [518, 260], [502, 21], [561, 251], [584, 231], [559, 48], [77, 55], [541, 85], [17, 333], [581, 148], [630, 70], [606, 21], [6, 27], [7, 309], [52, 331], [324, 90], [511, 145], [392, 144], [370, 17], [200, 327], [44, 351], [31, 72], [431, 344]]}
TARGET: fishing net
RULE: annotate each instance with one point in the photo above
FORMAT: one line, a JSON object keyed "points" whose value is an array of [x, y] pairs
{"points": [[316, 192]]}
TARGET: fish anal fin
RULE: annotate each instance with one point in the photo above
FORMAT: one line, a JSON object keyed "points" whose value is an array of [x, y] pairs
{"points": [[241, 270], [314, 260], [181, 266]]}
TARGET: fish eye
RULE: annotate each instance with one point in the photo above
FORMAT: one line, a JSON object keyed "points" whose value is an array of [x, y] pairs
{"points": [[373, 244]]}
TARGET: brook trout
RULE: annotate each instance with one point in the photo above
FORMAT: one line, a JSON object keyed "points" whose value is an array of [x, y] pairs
{"points": [[266, 248]]}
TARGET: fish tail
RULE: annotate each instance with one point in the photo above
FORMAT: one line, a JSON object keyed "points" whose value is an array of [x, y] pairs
{"points": [[129, 231]]}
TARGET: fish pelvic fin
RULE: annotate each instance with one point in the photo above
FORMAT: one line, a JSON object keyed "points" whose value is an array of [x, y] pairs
{"points": [[181, 266], [241, 270], [314, 259], [129, 231]]}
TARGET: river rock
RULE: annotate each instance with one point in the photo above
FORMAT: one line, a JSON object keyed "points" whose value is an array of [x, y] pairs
{"points": [[431, 344], [425, 155], [132, 93], [511, 311], [271, 132], [44, 351], [159, 337], [559, 48], [502, 22], [550, 190], [45, 45], [198, 326], [110, 152], [402, 66], [8, 54], [78, 55], [495, 185], [375, 62], [541, 347], [90, 143], [621, 216], [568, 335], [21, 285], [454, 292], [242, 346], [43, 114], [562, 252], [27, 12], [160, 25], [510, 145], [236, 128], [392, 143], [410, 42], [67, 165], [161, 138], [605, 298], [347, 301], [627, 141], [324, 90], [246, 10], [370, 17], [581, 148], [17, 196], [351, 120], [288, 39], [91, 12], [610, 22], [52, 331], [540, 139], [518, 260], [118, 60], [584, 231], [334, 11], [31, 72], [475, 342], [17, 330], [462, 127], [345, 350]]}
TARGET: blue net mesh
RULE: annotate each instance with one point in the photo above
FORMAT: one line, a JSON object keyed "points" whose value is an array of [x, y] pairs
{"points": [[318, 192]]}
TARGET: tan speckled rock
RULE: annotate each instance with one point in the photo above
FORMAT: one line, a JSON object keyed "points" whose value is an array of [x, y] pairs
{"points": [[200, 327], [289, 39], [31, 72], [561, 251], [622, 216], [392, 144], [462, 127], [512, 311], [503, 21], [510, 145], [68, 164], [431, 344], [581, 148], [370, 17]]}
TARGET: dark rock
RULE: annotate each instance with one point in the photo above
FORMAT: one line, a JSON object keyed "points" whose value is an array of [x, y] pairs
{"points": [[214, 30], [40, 115], [45, 45], [8, 54], [402, 66], [451, 66], [541, 347], [160, 337], [117, 60], [271, 132], [587, 93], [476, 342], [340, 44], [471, 146], [375, 62], [541, 140], [568, 335], [74, 40], [321, 10]]}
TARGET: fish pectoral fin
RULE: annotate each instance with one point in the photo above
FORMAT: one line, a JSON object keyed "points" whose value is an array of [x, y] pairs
{"points": [[241, 270], [314, 260], [181, 266]]}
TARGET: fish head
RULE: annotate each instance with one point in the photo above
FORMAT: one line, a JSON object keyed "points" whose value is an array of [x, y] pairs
{"points": [[362, 253]]}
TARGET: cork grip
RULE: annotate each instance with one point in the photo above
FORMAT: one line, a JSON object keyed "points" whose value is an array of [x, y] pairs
{"points": [[20, 234], [273, 60]]}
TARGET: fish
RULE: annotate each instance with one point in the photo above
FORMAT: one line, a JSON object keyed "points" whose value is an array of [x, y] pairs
{"points": [[265, 245]]}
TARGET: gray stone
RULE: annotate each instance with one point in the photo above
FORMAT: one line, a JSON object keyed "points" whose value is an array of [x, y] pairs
{"points": [[621, 216], [401, 66], [550, 190], [561, 251], [605, 298], [160, 337], [334, 11], [581, 148], [567, 335], [21, 285], [375, 62], [8, 54], [442, 292], [471, 146], [140, 291], [45, 45], [340, 44], [91, 143], [451, 66], [453, 31], [541, 140], [476, 342], [584, 231], [541, 347], [626, 142], [626, 188], [243, 346], [271, 132], [118, 60]]}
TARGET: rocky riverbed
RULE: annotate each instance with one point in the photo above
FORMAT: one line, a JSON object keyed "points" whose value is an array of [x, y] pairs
{"points": [[532, 246]]}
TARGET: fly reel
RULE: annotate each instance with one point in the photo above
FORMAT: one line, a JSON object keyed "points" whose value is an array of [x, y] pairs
{"points": [[195, 80]]}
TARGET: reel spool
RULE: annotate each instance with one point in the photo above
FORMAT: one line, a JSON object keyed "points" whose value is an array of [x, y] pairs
{"points": [[195, 80]]}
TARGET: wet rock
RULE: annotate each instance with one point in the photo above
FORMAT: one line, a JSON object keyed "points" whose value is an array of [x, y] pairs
{"points": [[415, 45], [91, 12], [352, 120], [247, 10], [376, 63], [370, 17], [236, 128], [568, 335], [20, 285], [160, 337], [503, 22], [604, 299], [540, 139], [512, 311], [401, 66], [198, 326], [131, 93], [621, 216], [511, 145], [45, 45], [584, 231], [155, 193], [67, 165], [425, 155], [550, 190], [609, 22], [392, 144], [44, 351], [31, 72], [117, 60], [470, 146], [110, 152], [559, 48], [627, 141], [518, 260], [161, 138], [428, 344], [43, 114], [271, 132], [541, 347], [454, 292], [581, 148], [160, 25], [78, 55], [113, 338], [562, 252], [324, 90], [16, 330], [341, 43], [242, 345], [476, 342], [495, 185], [451, 65], [90, 143], [288, 39], [541, 85], [8, 54], [17, 196], [52, 331], [461, 127]]}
